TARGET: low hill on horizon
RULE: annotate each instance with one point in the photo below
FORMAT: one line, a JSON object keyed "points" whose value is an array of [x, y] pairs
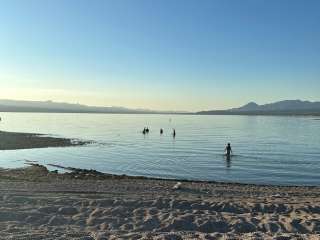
{"points": [[61, 107]]}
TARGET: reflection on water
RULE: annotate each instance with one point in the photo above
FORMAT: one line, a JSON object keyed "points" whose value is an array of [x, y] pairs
{"points": [[274, 150], [228, 160]]}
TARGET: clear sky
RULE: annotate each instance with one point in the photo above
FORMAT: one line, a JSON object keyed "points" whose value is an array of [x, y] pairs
{"points": [[160, 54]]}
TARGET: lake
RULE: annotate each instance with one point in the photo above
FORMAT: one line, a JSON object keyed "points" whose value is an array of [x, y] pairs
{"points": [[267, 149]]}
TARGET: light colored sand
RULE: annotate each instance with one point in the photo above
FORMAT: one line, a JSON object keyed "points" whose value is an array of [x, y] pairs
{"points": [[67, 208]]}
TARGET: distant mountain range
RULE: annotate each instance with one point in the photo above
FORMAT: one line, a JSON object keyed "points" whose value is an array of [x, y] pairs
{"points": [[56, 107], [286, 107]]}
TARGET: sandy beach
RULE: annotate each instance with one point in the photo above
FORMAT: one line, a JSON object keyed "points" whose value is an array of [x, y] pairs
{"points": [[38, 204]]}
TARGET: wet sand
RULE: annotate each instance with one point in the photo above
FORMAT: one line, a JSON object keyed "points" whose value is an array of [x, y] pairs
{"points": [[14, 141], [85, 204]]}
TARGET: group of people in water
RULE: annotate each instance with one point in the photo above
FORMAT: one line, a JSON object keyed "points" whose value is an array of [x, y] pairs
{"points": [[228, 149], [146, 131]]}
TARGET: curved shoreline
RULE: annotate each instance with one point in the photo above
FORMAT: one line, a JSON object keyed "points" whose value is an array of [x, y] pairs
{"points": [[104, 175], [16, 140]]}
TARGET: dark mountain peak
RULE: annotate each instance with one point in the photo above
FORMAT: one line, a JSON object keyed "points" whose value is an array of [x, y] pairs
{"points": [[251, 106], [285, 105]]}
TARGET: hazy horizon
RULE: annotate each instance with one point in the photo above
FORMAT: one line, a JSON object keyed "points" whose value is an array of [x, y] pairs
{"points": [[160, 55], [288, 106]]}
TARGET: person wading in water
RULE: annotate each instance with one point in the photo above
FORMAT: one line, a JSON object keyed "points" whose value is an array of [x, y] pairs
{"points": [[228, 150]]}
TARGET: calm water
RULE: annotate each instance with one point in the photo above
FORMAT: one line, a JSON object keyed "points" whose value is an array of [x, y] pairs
{"points": [[268, 150]]}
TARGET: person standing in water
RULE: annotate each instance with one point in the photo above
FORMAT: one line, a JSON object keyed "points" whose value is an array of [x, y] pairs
{"points": [[228, 150], [161, 131], [174, 133]]}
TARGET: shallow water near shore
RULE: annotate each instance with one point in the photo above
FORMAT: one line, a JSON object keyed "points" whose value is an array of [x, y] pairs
{"points": [[267, 149]]}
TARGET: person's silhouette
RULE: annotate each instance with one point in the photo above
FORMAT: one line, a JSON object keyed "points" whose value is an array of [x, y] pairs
{"points": [[228, 150]]}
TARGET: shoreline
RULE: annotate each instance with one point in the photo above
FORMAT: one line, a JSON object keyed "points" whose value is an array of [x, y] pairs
{"points": [[17, 140], [41, 204], [80, 173], [105, 175]]}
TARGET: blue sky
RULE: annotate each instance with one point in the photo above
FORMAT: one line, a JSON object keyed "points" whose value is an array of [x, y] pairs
{"points": [[160, 54]]}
